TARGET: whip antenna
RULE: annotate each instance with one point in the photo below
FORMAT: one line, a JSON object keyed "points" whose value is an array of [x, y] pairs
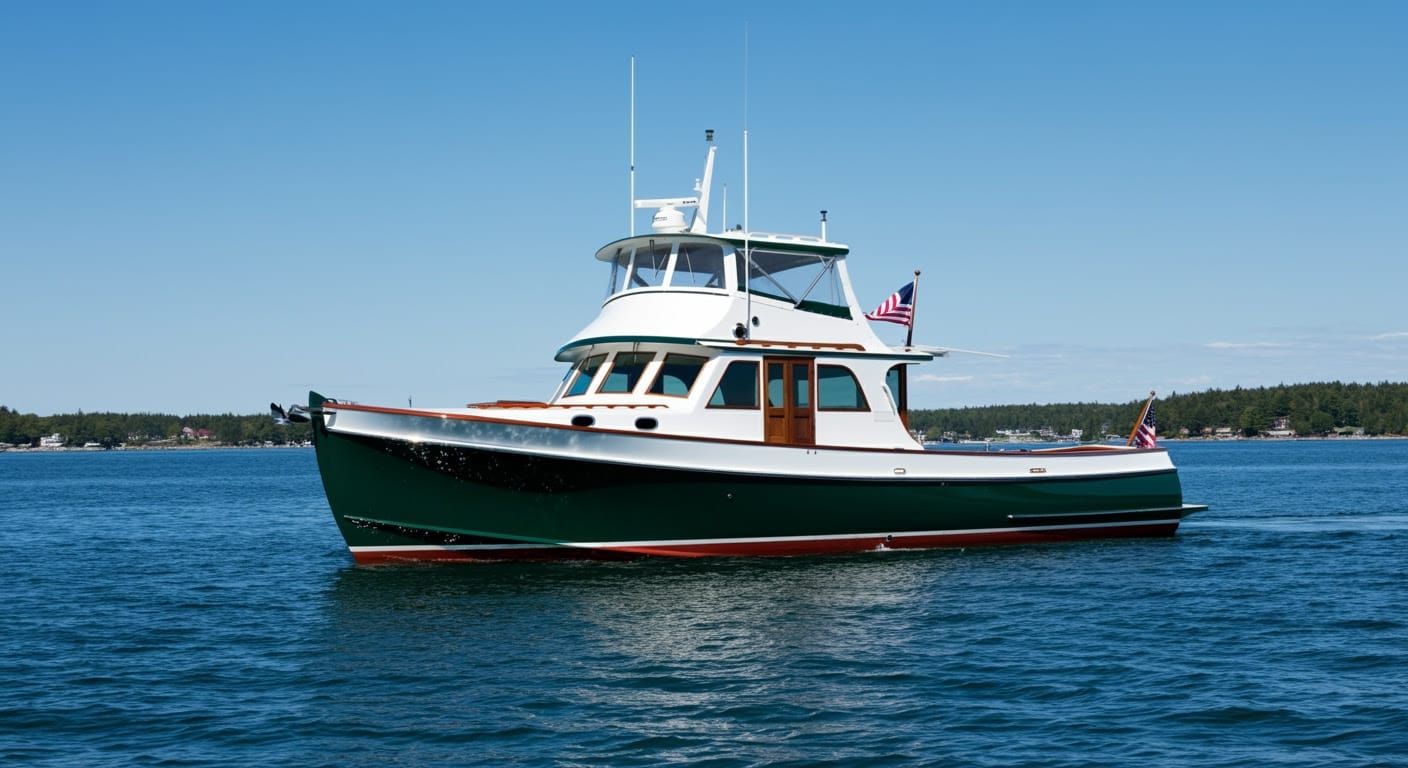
{"points": [[631, 204], [747, 232]]}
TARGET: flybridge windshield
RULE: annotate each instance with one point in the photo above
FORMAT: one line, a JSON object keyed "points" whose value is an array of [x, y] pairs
{"points": [[808, 281], [664, 264]]}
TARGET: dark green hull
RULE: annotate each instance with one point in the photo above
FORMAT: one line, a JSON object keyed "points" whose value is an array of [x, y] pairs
{"points": [[394, 499]]}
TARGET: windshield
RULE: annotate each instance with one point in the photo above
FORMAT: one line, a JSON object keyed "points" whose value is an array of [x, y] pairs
{"points": [[680, 264]]}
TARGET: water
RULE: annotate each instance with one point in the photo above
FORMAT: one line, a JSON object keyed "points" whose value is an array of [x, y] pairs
{"points": [[198, 608]]}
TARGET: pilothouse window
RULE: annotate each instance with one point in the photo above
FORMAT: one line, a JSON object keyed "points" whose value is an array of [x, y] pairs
{"points": [[677, 375], [585, 372], [625, 373]]}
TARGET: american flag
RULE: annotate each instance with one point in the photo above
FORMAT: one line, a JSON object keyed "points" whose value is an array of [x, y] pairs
{"points": [[1144, 433], [899, 308]]}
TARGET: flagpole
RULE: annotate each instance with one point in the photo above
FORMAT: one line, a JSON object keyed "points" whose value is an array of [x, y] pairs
{"points": [[1140, 420], [913, 309]]}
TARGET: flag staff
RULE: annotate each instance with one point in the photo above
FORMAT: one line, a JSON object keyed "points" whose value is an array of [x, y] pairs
{"points": [[913, 310], [1142, 413]]}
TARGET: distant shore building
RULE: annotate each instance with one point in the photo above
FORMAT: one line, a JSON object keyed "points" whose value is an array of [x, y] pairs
{"points": [[55, 440]]}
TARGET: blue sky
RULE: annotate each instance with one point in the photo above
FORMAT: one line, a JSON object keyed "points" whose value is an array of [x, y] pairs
{"points": [[204, 207]]}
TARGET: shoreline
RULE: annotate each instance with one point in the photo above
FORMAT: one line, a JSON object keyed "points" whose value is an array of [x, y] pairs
{"points": [[289, 446], [127, 448]]}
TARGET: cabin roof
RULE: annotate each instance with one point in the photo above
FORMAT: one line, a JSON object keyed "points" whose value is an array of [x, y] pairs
{"points": [[760, 240]]}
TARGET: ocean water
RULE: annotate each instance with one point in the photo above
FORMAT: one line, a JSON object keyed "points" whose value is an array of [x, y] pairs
{"points": [[198, 608]]}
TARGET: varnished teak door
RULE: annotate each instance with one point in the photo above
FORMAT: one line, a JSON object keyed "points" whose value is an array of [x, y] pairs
{"points": [[788, 411]]}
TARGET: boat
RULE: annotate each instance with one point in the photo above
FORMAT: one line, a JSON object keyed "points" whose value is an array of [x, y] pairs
{"points": [[730, 398]]}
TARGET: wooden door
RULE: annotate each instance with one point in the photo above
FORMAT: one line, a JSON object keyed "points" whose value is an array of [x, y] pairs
{"points": [[788, 410]]}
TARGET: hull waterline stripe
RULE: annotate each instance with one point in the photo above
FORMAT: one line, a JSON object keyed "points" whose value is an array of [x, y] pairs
{"points": [[642, 546], [1183, 511]]}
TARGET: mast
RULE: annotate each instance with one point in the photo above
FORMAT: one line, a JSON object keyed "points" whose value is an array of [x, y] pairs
{"points": [[631, 203], [747, 231], [701, 210]]}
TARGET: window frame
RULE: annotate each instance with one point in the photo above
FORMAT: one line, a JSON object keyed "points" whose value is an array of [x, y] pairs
{"points": [[660, 372], [567, 391], [864, 406], [900, 399], [601, 388], [757, 388]]}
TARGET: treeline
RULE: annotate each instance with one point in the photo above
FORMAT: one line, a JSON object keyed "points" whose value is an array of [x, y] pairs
{"points": [[112, 429], [1310, 409]]}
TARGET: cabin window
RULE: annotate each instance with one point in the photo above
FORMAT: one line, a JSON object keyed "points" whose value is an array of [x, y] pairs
{"points": [[838, 390], [806, 280], [699, 265], [677, 374], [625, 373], [897, 382], [738, 387], [651, 266], [585, 371]]}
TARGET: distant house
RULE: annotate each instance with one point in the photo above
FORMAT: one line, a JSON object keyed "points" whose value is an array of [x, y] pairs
{"points": [[202, 434], [1280, 427], [1224, 432], [55, 440]]}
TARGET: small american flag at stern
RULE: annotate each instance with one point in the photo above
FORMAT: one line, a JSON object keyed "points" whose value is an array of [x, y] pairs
{"points": [[899, 308], [1144, 433]]}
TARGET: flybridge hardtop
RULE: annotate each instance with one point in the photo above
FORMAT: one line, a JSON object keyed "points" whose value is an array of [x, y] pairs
{"points": [[730, 397]]}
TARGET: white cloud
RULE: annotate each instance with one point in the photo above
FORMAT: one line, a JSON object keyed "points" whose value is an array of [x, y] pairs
{"points": [[1245, 345], [941, 379], [1388, 336]]}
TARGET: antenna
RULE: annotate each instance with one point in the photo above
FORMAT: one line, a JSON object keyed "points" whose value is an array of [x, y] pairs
{"points": [[823, 226], [631, 204], [725, 216], [747, 232]]}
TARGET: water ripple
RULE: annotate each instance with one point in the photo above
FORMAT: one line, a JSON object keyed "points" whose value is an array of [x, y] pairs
{"points": [[199, 610]]}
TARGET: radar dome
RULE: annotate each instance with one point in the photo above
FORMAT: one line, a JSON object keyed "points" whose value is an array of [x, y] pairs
{"points": [[668, 220]]}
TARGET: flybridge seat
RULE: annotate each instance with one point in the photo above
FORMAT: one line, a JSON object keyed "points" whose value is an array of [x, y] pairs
{"points": [[802, 271]]}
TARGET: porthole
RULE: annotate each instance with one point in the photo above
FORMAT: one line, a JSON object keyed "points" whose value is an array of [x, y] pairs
{"points": [[583, 420], [646, 422]]}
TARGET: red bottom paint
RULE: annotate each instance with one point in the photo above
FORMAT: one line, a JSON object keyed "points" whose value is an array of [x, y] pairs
{"points": [[766, 548]]}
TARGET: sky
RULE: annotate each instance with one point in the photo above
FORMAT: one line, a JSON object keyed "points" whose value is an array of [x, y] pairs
{"points": [[208, 206]]}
